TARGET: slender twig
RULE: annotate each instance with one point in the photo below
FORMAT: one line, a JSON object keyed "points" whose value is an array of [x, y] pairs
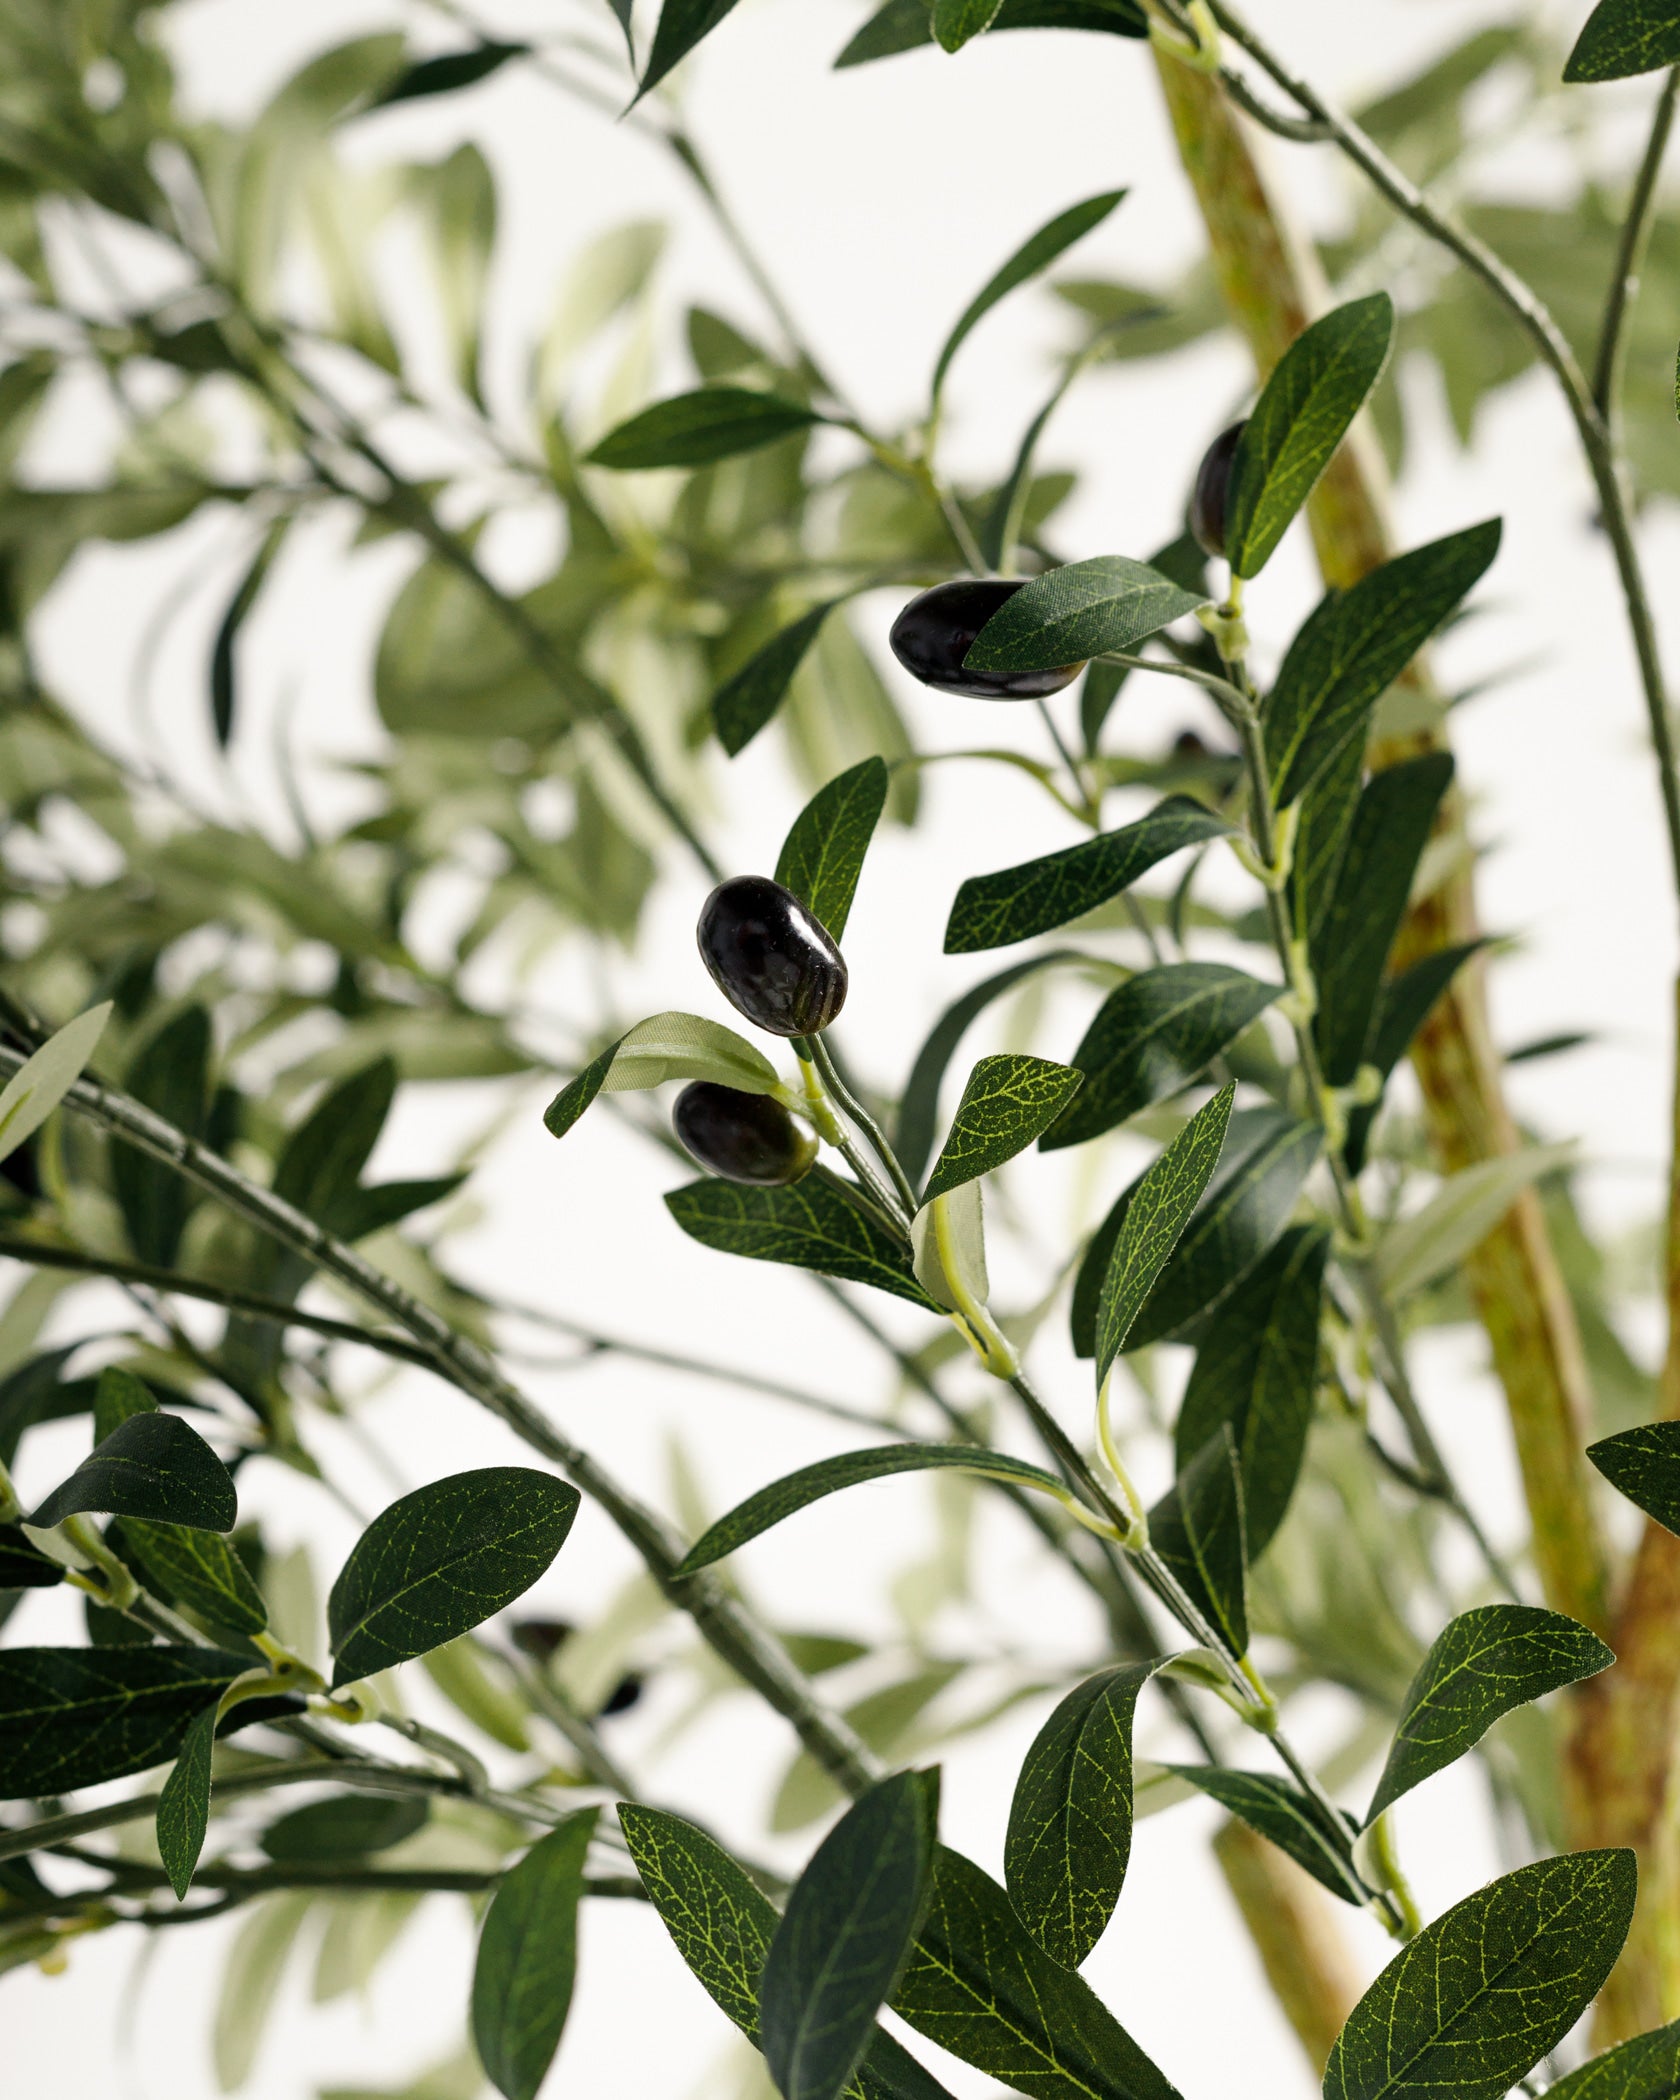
{"points": [[822, 1058], [1630, 254]]}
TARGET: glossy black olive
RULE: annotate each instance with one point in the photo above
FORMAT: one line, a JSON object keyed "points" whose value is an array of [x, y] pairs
{"points": [[935, 632], [1211, 499], [770, 957], [743, 1137]]}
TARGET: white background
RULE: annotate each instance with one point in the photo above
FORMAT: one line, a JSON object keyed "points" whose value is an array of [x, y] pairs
{"points": [[882, 198]]}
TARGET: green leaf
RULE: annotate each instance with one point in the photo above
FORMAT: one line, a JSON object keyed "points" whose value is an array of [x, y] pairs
{"points": [[1158, 1207], [682, 24], [117, 1395], [1152, 1037], [796, 1491], [527, 1959], [981, 1987], [1267, 1158], [224, 668], [1198, 1529], [1256, 1374], [1625, 37], [39, 1085], [1052, 239], [1403, 1005], [321, 1162], [1459, 1216], [1356, 644], [170, 1074], [1008, 1101], [1391, 827], [666, 1046], [904, 25], [948, 1248], [153, 1465], [745, 702], [1318, 387], [439, 1562], [918, 1108], [695, 429], [1483, 1993], [843, 1938], [345, 1826], [183, 1810], [458, 201], [809, 1226], [1070, 1821], [723, 1924], [256, 1969], [449, 72], [23, 1566], [957, 22], [71, 1717], [991, 911], [1644, 1465], [1088, 608], [1487, 1662], [198, 1570], [823, 854], [1293, 1821], [1647, 2068]]}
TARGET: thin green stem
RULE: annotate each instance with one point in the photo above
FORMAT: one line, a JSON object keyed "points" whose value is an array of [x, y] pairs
{"points": [[1630, 256], [854, 1109]]}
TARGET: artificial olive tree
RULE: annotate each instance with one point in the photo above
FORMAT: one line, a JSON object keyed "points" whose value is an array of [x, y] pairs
{"points": [[1282, 1210]]}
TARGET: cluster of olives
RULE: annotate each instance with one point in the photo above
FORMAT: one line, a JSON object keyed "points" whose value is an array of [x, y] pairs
{"points": [[774, 962]]}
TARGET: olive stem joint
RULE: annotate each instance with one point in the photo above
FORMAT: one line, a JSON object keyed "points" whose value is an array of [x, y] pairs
{"points": [[113, 1586], [1273, 874], [1203, 54]]}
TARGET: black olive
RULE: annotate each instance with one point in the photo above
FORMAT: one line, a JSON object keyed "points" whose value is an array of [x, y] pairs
{"points": [[770, 957], [1210, 501], [540, 1638], [624, 1695], [743, 1137], [935, 632]]}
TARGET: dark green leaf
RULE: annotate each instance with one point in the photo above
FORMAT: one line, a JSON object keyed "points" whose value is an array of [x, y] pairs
{"points": [[223, 653], [1356, 644], [1477, 1999], [1403, 1005], [696, 429], [665, 1046], [1089, 608], [321, 1162], [843, 1939], [1052, 239], [199, 1570], [1644, 1465], [1647, 2068], [1318, 387], [527, 1959], [1391, 827], [571, 1101], [1158, 1207], [1487, 1662], [1197, 1528], [1268, 1156], [22, 1565], [1070, 1822], [981, 1987], [117, 1396], [1008, 1101], [171, 1074], [1256, 1373], [810, 1226], [153, 1466], [71, 1717], [901, 25], [918, 1109], [449, 71], [682, 25], [745, 702], [723, 1924], [1624, 37], [346, 1826], [1293, 1821], [441, 1561], [958, 22], [1326, 817], [183, 1810], [360, 1212], [904, 25], [823, 855], [1152, 1037], [991, 911], [782, 1498]]}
